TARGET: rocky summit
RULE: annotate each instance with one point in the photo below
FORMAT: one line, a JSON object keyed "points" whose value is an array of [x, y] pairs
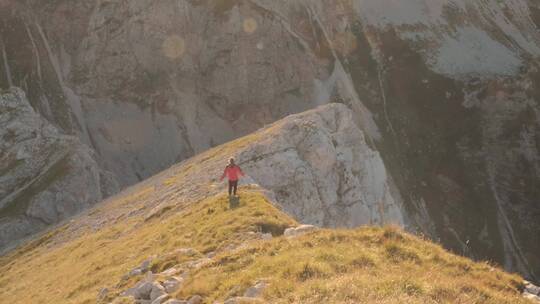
{"points": [[441, 135]]}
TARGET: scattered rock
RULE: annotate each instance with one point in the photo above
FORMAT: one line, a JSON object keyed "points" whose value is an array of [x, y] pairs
{"points": [[175, 301], [158, 211], [186, 251], [243, 300], [146, 289], [531, 292], [300, 230], [172, 284], [142, 269], [143, 291], [266, 236], [161, 299], [149, 277], [103, 293], [145, 266], [196, 299], [531, 288], [135, 272], [256, 291], [199, 263], [157, 291], [170, 272]]}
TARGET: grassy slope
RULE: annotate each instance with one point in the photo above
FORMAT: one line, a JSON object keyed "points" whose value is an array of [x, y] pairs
{"points": [[368, 265], [74, 272]]}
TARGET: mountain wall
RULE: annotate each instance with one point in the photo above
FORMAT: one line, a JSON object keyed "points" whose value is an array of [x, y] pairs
{"points": [[46, 176], [446, 90]]}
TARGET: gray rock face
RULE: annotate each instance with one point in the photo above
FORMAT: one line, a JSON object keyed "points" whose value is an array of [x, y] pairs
{"points": [[301, 230], [322, 171], [315, 165], [44, 176], [446, 90]]}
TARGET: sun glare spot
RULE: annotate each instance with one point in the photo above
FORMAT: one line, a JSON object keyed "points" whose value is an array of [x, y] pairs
{"points": [[250, 25], [174, 47]]}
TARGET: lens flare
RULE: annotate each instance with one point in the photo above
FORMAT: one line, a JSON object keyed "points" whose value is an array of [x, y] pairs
{"points": [[174, 47], [250, 25]]}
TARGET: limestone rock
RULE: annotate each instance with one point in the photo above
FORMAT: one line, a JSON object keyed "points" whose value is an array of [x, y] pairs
{"points": [[135, 272], [196, 299], [186, 251], [161, 299], [170, 272], [45, 175], [157, 291], [256, 290], [300, 230], [243, 300], [143, 291], [531, 288], [172, 284], [142, 269], [266, 236], [145, 266], [322, 171], [103, 292], [174, 301]]}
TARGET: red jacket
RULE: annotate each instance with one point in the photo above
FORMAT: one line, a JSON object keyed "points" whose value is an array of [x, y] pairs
{"points": [[233, 173]]}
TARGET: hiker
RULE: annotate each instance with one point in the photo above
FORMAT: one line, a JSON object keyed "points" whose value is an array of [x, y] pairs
{"points": [[233, 173]]}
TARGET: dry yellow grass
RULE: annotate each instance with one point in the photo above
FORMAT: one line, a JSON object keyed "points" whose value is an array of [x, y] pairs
{"points": [[367, 265], [75, 271]]}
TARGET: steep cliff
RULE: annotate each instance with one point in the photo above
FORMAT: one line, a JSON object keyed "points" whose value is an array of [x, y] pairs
{"points": [[45, 176], [321, 170], [446, 90]]}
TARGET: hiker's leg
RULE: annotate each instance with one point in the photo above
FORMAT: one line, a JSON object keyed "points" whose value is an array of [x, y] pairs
{"points": [[231, 183], [235, 187]]}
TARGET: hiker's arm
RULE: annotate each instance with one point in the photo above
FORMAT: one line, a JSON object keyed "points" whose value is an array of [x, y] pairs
{"points": [[241, 172], [224, 174]]}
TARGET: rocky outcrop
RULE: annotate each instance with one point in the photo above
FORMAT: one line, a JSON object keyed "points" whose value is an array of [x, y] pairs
{"points": [[322, 171], [300, 230], [315, 165], [45, 176], [531, 292]]}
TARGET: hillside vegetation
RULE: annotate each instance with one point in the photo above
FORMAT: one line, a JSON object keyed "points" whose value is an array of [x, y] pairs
{"points": [[366, 265]]}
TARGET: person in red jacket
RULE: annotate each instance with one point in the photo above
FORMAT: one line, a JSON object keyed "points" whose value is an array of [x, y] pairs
{"points": [[233, 174]]}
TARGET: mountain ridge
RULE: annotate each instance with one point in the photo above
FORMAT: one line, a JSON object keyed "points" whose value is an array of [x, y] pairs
{"points": [[178, 234]]}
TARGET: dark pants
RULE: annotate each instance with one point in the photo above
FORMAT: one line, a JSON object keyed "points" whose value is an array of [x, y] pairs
{"points": [[233, 186]]}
